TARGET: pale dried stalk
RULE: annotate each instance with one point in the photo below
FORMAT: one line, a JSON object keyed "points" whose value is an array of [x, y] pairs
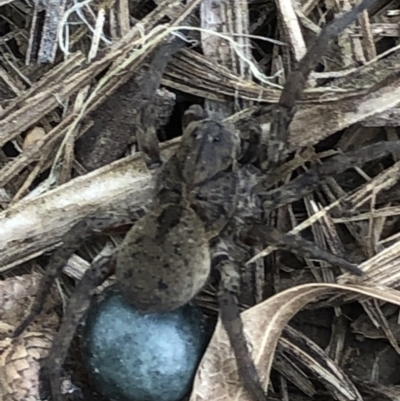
{"points": [[342, 114], [367, 37], [30, 228], [123, 16], [292, 28], [228, 17], [194, 73], [50, 30]]}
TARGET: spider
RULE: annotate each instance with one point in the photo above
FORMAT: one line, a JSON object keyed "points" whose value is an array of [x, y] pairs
{"points": [[212, 192]]}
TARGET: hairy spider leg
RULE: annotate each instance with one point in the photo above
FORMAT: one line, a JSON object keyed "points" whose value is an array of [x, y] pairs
{"points": [[78, 305], [285, 110], [298, 245], [276, 152], [71, 242], [229, 314], [282, 116], [146, 134], [306, 183]]}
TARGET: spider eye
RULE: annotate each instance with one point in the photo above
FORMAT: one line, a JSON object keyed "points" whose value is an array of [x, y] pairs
{"points": [[216, 138]]}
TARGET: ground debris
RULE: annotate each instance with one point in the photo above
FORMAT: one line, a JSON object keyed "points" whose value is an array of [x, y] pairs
{"points": [[71, 93]]}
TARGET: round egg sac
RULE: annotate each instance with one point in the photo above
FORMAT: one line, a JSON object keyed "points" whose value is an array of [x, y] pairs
{"points": [[130, 356]]}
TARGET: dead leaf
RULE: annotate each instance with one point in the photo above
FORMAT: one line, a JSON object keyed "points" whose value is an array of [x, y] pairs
{"points": [[307, 354], [15, 294], [20, 357], [217, 377], [20, 365]]}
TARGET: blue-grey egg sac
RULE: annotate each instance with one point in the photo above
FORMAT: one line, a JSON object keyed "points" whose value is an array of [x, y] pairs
{"points": [[132, 356]]}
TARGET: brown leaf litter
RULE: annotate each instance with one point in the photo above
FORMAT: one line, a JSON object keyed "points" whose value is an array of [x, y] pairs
{"points": [[351, 100]]}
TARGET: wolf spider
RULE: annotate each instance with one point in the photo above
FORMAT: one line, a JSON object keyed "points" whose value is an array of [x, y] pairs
{"points": [[210, 191]]}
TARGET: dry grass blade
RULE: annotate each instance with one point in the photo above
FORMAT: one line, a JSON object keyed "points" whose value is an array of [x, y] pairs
{"points": [[228, 18], [382, 269], [291, 372], [313, 358], [322, 112], [377, 391], [292, 28], [217, 377], [54, 11], [325, 119]]}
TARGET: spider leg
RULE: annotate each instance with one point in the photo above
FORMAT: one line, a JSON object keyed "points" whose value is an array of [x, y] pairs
{"points": [[285, 109], [307, 182], [78, 304], [71, 242], [232, 322], [300, 246], [146, 134]]}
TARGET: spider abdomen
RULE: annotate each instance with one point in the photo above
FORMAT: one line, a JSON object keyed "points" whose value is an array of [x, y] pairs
{"points": [[164, 260]]}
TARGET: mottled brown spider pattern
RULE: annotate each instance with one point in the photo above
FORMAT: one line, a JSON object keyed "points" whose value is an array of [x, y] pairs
{"points": [[212, 192]]}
